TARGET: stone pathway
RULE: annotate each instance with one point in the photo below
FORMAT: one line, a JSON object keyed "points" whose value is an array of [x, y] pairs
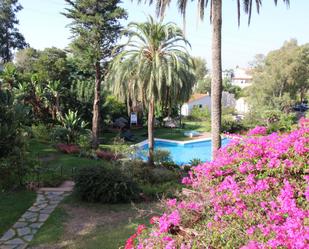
{"points": [[23, 231]]}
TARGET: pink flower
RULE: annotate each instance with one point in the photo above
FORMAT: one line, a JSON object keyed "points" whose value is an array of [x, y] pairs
{"points": [[250, 230], [258, 130], [171, 202]]}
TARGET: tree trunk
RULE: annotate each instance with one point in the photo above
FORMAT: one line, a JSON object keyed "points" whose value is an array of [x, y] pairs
{"points": [[150, 132], [96, 107], [216, 83]]}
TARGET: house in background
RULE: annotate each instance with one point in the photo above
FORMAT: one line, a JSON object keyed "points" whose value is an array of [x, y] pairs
{"points": [[197, 100], [204, 101], [242, 77]]}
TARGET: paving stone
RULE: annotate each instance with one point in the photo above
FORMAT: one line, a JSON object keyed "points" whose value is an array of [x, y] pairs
{"points": [[16, 241], [54, 203], [36, 225], [43, 217], [41, 206], [28, 238], [29, 215], [34, 209], [23, 231], [20, 224], [8, 246], [24, 246], [8, 235], [25, 228], [34, 219], [47, 210]]}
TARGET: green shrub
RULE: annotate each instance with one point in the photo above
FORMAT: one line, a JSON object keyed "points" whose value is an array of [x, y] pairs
{"points": [[167, 189], [195, 162], [84, 143], [137, 170], [59, 134], [40, 132], [72, 126], [105, 185], [199, 114], [230, 125], [161, 175], [161, 156], [285, 122]]}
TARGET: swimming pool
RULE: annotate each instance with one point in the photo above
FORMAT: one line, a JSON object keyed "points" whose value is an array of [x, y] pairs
{"points": [[182, 152]]}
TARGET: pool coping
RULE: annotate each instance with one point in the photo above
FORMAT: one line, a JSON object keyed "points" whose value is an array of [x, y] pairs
{"points": [[176, 141]]}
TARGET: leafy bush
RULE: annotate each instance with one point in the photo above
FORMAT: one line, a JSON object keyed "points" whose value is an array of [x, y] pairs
{"points": [[253, 195], [136, 169], [106, 155], [105, 185], [230, 125], [84, 143], [199, 114], [13, 141], [72, 126], [195, 162], [155, 191], [285, 122], [68, 148], [40, 132], [161, 156], [161, 175]]}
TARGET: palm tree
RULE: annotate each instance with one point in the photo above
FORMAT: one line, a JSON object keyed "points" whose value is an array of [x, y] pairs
{"points": [[154, 59], [216, 20]]}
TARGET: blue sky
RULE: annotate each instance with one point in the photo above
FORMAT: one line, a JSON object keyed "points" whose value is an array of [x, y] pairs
{"points": [[43, 26]]}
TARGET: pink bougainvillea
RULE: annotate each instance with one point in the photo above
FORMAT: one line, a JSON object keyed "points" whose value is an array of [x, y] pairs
{"points": [[253, 195]]}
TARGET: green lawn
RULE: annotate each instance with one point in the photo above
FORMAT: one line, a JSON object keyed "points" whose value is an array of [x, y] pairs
{"points": [[82, 225], [12, 206], [55, 166]]}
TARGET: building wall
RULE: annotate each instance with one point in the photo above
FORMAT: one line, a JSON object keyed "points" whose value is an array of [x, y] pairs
{"points": [[228, 100], [202, 103], [242, 83]]}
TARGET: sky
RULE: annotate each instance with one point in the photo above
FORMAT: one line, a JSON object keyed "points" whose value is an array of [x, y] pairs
{"points": [[43, 26]]}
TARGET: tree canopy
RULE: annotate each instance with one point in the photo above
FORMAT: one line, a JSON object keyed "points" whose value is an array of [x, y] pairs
{"points": [[10, 37], [283, 74]]}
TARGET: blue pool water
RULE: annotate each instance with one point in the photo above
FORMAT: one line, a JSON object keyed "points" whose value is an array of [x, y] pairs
{"points": [[183, 153]]}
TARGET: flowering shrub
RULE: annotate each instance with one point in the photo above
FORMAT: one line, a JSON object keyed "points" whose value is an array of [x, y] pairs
{"points": [[107, 155], [253, 195], [68, 148]]}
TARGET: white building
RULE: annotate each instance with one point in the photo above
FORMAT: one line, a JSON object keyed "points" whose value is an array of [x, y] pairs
{"points": [[242, 77], [204, 101], [196, 100]]}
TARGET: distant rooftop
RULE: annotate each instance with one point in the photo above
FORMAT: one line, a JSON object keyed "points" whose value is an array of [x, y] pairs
{"points": [[242, 74], [197, 96]]}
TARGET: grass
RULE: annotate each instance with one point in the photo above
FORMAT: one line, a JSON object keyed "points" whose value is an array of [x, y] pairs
{"points": [[117, 223], [53, 228], [55, 166], [12, 206]]}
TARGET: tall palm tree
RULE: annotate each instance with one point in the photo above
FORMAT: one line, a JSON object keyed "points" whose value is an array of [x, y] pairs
{"points": [[154, 59], [216, 20]]}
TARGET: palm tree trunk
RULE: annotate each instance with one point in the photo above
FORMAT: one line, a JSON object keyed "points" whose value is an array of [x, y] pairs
{"points": [[150, 132], [96, 107], [216, 83]]}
